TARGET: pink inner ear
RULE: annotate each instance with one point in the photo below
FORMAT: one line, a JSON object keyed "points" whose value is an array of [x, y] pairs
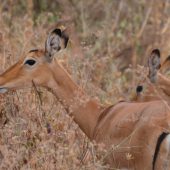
{"points": [[52, 44], [55, 42], [155, 61]]}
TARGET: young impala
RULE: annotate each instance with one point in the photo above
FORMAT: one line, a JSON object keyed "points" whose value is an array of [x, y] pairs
{"points": [[157, 88], [135, 134]]}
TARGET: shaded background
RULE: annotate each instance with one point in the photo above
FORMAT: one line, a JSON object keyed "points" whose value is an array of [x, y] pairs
{"points": [[108, 39]]}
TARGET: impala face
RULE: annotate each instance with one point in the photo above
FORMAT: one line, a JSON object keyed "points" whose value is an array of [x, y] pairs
{"points": [[35, 66]]}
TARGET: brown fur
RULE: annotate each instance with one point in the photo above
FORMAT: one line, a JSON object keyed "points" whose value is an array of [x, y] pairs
{"points": [[128, 130]]}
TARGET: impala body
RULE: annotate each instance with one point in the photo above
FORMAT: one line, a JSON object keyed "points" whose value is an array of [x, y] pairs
{"points": [[135, 134]]}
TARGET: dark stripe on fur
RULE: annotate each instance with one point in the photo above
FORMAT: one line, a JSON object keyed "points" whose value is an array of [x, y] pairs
{"points": [[34, 50], [157, 149]]}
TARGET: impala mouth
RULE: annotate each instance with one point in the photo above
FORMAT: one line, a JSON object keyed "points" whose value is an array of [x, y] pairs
{"points": [[3, 90]]}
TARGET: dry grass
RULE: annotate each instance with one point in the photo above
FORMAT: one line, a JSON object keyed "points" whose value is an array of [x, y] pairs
{"points": [[106, 38]]}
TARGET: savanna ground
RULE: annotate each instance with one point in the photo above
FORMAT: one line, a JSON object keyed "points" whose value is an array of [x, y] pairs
{"points": [[108, 39]]}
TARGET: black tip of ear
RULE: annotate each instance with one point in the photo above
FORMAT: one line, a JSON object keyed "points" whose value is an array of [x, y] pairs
{"points": [[61, 34], [157, 52], [139, 89], [57, 31]]}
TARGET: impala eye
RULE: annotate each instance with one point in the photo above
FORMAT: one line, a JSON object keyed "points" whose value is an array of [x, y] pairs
{"points": [[30, 62]]}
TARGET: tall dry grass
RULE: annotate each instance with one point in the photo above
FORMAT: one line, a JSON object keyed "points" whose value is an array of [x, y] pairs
{"points": [[108, 39]]}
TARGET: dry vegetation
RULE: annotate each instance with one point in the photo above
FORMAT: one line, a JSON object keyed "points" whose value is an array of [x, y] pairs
{"points": [[107, 41]]}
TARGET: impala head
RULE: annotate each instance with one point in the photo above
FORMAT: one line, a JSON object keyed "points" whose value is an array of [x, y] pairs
{"points": [[34, 67], [154, 65]]}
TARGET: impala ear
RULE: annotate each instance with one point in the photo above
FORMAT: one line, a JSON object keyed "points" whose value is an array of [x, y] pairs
{"points": [[56, 41], [154, 65]]}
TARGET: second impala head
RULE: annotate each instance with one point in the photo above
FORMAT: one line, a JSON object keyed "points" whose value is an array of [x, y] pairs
{"points": [[35, 66]]}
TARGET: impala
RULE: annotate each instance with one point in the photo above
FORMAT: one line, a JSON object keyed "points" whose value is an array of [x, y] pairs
{"points": [[157, 86], [165, 67], [135, 134]]}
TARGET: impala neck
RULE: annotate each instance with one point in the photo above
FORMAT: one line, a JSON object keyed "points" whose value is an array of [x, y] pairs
{"points": [[85, 111], [164, 83]]}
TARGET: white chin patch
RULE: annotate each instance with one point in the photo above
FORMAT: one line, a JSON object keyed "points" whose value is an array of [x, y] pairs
{"points": [[3, 90]]}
